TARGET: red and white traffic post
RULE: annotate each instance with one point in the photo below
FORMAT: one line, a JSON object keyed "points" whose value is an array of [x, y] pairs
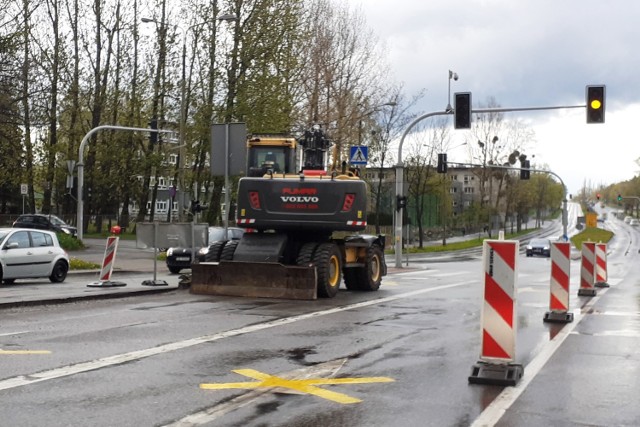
{"points": [[559, 292], [601, 266], [587, 270], [107, 266], [498, 318]]}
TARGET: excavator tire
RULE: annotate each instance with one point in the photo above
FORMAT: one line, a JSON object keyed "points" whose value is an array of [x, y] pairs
{"points": [[328, 262], [305, 256], [228, 250], [214, 251], [370, 276], [351, 278]]}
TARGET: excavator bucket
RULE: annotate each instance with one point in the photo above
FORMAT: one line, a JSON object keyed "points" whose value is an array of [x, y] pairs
{"points": [[252, 279]]}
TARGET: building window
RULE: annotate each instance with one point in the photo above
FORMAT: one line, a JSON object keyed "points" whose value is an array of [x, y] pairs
{"points": [[468, 190]]}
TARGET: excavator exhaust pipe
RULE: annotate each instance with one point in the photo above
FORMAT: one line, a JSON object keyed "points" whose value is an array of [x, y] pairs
{"points": [[252, 279]]}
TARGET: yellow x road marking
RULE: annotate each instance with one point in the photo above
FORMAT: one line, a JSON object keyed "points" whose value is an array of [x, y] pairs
{"points": [[12, 352], [304, 386]]}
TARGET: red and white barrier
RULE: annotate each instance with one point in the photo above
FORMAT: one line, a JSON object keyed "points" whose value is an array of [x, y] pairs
{"points": [[560, 274], [587, 270], [107, 265], [498, 319], [601, 266]]}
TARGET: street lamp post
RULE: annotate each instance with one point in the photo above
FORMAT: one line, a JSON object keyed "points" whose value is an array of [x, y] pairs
{"points": [[368, 113], [180, 187]]}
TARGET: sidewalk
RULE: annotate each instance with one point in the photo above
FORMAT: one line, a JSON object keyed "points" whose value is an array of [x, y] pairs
{"points": [[131, 266]]}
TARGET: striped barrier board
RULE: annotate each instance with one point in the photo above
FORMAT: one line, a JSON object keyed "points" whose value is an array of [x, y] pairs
{"points": [[601, 266], [587, 270], [559, 286], [498, 317], [107, 265]]}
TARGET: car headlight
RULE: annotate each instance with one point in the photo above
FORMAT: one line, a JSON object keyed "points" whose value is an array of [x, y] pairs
{"points": [[203, 251], [65, 231], [169, 251], [529, 247]]}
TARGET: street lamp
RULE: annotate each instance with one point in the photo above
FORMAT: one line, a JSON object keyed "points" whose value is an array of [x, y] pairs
{"points": [[180, 188], [368, 113], [183, 112]]}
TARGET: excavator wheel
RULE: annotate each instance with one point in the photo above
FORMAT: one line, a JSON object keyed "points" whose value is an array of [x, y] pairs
{"points": [[228, 250], [370, 276], [305, 256], [214, 251], [351, 278], [328, 262]]}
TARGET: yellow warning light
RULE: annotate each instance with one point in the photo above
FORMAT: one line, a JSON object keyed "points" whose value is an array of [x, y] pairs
{"points": [[596, 104]]}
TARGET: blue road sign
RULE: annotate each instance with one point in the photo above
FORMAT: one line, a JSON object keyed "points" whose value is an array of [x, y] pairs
{"points": [[359, 155]]}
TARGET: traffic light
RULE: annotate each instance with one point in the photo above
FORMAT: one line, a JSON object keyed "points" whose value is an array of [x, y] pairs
{"points": [[524, 170], [401, 202], [195, 206], [598, 196], [153, 135], [595, 103], [619, 197], [462, 110], [442, 163]]}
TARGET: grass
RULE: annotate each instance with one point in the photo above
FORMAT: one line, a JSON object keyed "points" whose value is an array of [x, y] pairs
{"points": [[466, 244], [597, 235], [78, 264]]}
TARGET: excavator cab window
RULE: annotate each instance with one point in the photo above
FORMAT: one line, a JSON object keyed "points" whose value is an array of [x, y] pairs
{"points": [[262, 159]]}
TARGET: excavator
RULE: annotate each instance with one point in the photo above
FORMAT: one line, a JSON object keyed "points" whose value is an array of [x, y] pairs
{"points": [[303, 223]]}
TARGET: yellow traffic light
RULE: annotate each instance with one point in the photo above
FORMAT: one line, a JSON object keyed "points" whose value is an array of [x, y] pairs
{"points": [[595, 103]]}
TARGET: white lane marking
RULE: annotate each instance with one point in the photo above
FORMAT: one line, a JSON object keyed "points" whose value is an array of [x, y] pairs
{"points": [[618, 334], [456, 273], [8, 334], [64, 371], [492, 413]]}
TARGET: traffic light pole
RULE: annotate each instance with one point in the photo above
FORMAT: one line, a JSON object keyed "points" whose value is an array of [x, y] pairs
{"points": [[400, 183], [80, 164], [400, 168]]}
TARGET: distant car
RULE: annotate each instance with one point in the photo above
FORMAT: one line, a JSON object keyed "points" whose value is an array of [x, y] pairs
{"points": [[45, 222], [539, 247], [31, 254], [627, 219], [180, 258], [634, 222]]}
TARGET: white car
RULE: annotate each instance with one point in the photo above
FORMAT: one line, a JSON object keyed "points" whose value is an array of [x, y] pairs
{"points": [[627, 219], [634, 222], [29, 253]]}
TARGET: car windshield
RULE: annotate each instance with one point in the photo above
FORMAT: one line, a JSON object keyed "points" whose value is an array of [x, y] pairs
{"points": [[55, 220]]}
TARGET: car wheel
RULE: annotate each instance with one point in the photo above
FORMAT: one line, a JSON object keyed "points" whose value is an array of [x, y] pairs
{"points": [[175, 270], [59, 272]]}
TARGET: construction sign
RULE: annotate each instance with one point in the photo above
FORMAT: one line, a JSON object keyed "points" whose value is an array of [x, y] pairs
{"points": [[591, 219]]}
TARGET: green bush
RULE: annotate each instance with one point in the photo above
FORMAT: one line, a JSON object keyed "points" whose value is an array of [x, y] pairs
{"points": [[78, 264], [69, 243]]}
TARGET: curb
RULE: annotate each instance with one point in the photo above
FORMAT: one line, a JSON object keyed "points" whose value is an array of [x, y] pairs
{"points": [[92, 297]]}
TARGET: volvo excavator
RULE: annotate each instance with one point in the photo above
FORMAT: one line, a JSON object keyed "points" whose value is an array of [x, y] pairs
{"points": [[303, 221]]}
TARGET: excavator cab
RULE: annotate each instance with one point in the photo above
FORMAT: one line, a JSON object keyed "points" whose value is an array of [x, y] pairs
{"points": [[271, 154]]}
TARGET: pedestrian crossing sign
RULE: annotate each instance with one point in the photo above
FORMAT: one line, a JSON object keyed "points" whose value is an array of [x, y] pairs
{"points": [[359, 155]]}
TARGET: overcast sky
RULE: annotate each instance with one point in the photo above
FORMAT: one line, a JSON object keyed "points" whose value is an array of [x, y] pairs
{"points": [[527, 53]]}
